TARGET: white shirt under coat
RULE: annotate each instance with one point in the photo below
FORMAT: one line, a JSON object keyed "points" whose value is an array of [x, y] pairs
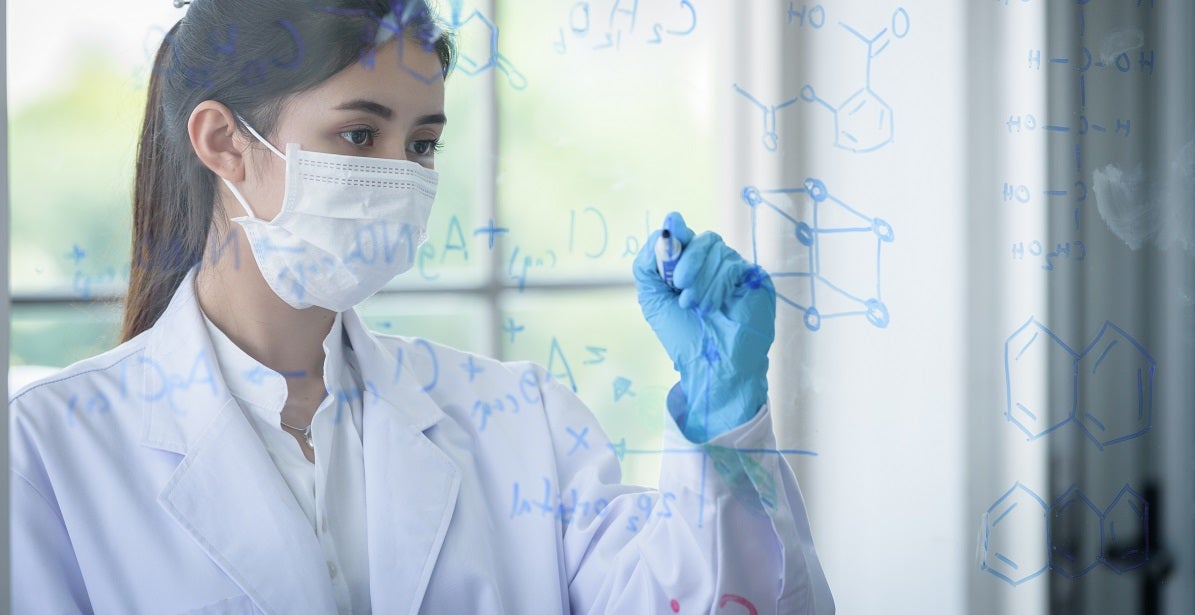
{"points": [[331, 491], [138, 485]]}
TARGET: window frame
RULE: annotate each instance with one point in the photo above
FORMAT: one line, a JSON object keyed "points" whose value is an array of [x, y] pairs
{"points": [[493, 286]]}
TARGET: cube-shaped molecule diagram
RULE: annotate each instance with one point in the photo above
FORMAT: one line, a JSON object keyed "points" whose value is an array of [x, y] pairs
{"points": [[823, 255], [1126, 531], [1032, 356], [1013, 527], [1116, 388], [1075, 525]]}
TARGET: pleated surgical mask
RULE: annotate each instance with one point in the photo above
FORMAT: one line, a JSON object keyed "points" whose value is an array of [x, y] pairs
{"points": [[348, 225]]}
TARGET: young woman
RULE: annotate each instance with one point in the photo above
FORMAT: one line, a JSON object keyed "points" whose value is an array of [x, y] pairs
{"points": [[251, 447]]}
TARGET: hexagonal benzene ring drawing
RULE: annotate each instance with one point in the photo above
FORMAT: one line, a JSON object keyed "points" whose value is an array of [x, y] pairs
{"points": [[1116, 394], [863, 122], [1022, 537], [1075, 524], [477, 40], [1031, 354], [1012, 527], [394, 23], [1110, 383], [819, 270], [478, 37], [1125, 530]]}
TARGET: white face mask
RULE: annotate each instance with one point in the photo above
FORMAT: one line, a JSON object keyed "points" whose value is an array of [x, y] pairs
{"points": [[348, 225]]}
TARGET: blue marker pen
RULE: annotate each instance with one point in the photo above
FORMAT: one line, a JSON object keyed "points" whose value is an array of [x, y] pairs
{"points": [[668, 250]]}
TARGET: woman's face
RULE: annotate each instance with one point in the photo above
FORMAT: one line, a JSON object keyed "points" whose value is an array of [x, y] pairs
{"points": [[387, 110]]}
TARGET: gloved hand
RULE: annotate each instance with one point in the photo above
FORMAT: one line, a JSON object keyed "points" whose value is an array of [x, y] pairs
{"points": [[717, 327]]}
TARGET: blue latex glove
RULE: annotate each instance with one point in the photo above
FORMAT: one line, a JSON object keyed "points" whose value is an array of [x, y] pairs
{"points": [[717, 326]]}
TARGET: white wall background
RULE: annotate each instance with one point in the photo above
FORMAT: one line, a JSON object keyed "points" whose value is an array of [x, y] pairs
{"points": [[883, 407]]}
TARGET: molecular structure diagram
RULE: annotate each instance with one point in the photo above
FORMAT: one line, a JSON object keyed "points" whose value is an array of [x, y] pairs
{"points": [[862, 122], [1085, 123], [476, 33], [479, 52], [831, 228], [1121, 530], [1113, 359]]}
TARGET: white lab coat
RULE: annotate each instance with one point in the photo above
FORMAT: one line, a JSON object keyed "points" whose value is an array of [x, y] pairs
{"points": [[138, 486]]}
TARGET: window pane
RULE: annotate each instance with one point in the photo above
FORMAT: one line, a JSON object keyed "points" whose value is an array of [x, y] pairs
{"points": [[71, 160], [604, 141], [458, 320], [598, 343], [74, 120], [58, 335], [74, 111]]}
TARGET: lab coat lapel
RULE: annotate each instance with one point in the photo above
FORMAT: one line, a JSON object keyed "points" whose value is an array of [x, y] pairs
{"points": [[229, 497], [226, 492], [411, 485]]}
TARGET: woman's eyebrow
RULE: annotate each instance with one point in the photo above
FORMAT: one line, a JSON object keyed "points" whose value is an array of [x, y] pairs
{"points": [[367, 106], [435, 118], [386, 113]]}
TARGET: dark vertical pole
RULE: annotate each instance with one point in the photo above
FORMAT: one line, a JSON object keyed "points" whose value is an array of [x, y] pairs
{"points": [[1144, 287], [1170, 584]]}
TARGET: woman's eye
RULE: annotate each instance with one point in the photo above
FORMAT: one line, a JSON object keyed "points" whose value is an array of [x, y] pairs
{"points": [[361, 137], [426, 147]]}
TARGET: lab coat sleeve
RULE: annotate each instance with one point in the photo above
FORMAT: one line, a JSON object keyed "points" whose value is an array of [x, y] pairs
{"points": [[45, 574], [725, 530]]}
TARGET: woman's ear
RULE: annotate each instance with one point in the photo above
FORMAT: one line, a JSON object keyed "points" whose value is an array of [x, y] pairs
{"points": [[216, 140]]}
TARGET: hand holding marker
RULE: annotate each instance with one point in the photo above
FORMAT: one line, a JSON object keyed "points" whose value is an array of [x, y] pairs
{"points": [[668, 249], [715, 314]]}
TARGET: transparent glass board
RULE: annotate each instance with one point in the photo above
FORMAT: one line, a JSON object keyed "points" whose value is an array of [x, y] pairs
{"points": [[597, 344]]}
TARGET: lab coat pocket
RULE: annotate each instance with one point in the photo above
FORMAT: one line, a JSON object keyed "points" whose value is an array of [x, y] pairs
{"points": [[236, 605]]}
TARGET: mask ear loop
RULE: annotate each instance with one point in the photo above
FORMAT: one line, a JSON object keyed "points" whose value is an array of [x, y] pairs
{"points": [[260, 138], [237, 193], [240, 198]]}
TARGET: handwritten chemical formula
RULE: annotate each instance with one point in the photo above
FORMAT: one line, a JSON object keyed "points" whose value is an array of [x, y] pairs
{"points": [[863, 122], [609, 24], [1119, 57]]}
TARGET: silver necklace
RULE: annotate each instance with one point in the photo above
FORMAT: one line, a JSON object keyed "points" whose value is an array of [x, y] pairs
{"points": [[306, 432]]}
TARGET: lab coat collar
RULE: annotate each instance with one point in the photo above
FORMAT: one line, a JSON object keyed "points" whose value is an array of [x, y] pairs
{"points": [[228, 495], [180, 380], [262, 388], [411, 484], [384, 372]]}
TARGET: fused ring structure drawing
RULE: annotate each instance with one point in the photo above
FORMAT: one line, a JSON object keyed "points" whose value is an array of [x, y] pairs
{"points": [[1023, 536], [1110, 384], [819, 271]]}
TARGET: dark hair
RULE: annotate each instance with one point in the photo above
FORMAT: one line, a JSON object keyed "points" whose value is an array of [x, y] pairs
{"points": [[248, 55]]}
